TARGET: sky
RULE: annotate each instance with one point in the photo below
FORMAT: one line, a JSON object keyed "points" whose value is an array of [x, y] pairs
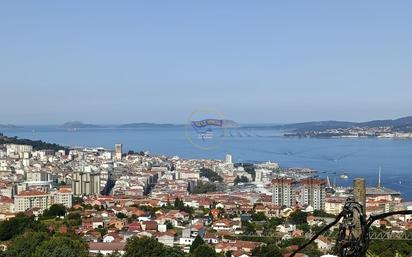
{"points": [[110, 62]]}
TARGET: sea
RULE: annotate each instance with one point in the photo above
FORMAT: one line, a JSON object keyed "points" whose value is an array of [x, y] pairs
{"points": [[330, 157]]}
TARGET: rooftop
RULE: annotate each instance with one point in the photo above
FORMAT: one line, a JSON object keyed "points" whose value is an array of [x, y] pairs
{"points": [[381, 191]]}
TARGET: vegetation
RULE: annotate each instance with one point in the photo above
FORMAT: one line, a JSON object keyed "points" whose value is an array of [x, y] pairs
{"points": [[204, 251], [60, 246], [196, 243], [26, 244], [391, 248], [211, 175], [270, 226], [121, 215], [322, 213], [249, 228], [27, 237], [180, 205], [203, 188], [298, 217], [250, 168], [269, 250], [311, 250], [241, 179], [259, 216], [149, 247], [56, 210], [37, 144], [17, 225]]}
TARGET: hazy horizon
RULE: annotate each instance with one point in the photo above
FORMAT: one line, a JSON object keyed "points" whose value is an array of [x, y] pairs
{"points": [[266, 62], [184, 123]]}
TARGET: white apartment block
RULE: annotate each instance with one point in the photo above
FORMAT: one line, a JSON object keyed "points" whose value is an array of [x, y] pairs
{"points": [[31, 199], [18, 149], [313, 193], [282, 192], [37, 199]]}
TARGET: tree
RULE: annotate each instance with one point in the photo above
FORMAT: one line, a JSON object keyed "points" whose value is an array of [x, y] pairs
{"points": [[196, 243], [55, 210], [270, 227], [179, 204], [149, 247], [17, 225], [204, 251], [322, 213], [121, 215], [269, 250], [25, 245], [250, 168], [248, 228], [241, 179], [210, 174], [260, 216], [390, 248], [168, 224], [61, 247], [203, 188], [298, 217]]}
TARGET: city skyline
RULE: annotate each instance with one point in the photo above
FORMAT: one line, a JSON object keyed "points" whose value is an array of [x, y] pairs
{"points": [[268, 62]]}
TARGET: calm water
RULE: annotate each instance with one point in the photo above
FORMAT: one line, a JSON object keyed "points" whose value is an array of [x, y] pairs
{"points": [[358, 157]]}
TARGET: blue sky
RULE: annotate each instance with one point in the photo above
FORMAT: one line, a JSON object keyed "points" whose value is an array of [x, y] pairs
{"points": [[158, 61]]}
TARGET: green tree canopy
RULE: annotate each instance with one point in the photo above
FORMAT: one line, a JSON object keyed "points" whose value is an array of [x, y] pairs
{"points": [[55, 210], [196, 243], [390, 248], [259, 216], [210, 174], [61, 247], [298, 217], [17, 225], [241, 179], [25, 245], [203, 188], [269, 250], [121, 215], [204, 251], [149, 247]]}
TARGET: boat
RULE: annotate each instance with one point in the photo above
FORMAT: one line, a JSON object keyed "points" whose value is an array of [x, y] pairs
{"points": [[344, 176]]}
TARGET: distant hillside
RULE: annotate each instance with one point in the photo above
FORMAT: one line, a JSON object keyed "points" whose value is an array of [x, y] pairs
{"points": [[226, 124], [78, 124], [8, 126], [37, 144], [406, 121], [316, 125], [402, 123]]}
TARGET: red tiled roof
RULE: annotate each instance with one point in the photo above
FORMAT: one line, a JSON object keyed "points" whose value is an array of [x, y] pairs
{"points": [[31, 193], [117, 246]]}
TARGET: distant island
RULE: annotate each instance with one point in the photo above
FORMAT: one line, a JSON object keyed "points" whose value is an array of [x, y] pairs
{"points": [[78, 125], [397, 128], [137, 125], [8, 126]]}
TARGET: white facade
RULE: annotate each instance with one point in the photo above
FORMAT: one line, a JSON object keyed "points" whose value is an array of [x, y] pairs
{"points": [[27, 200], [282, 194], [229, 159], [313, 193]]}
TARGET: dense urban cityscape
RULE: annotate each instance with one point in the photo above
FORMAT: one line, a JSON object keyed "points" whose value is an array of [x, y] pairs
{"points": [[205, 128], [104, 197]]}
